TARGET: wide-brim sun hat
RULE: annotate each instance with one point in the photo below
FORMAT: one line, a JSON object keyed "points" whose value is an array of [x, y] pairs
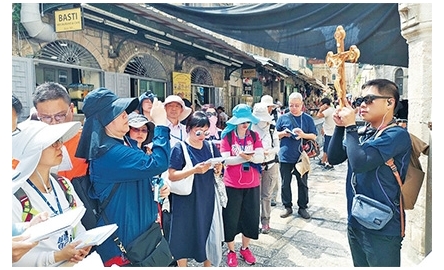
{"points": [[101, 107], [33, 138], [260, 110], [242, 113], [268, 101], [175, 98], [107, 105], [23, 168]]}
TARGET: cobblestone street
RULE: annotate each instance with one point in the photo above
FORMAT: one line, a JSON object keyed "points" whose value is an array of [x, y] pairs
{"points": [[317, 242]]}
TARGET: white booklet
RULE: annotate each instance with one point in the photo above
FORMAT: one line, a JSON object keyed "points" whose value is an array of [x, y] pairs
{"points": [[56, 224], [215, 160], [95, 236]]}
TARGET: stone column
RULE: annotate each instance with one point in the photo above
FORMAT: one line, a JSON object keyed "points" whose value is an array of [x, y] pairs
{"points": [[416, 28]]}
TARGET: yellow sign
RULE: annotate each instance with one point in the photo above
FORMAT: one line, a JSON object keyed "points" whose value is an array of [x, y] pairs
{"points": [[249, 73], [182, 85], [68, 20]]}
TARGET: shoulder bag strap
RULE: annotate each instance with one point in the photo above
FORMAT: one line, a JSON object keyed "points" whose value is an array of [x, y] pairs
{"points": [[391, 164]]}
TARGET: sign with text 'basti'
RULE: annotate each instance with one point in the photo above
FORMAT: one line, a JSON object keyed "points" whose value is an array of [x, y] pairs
{"points": [[68, 20]]}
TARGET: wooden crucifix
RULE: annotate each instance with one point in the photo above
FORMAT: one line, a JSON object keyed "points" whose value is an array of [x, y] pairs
{"points": [[338, 61]]}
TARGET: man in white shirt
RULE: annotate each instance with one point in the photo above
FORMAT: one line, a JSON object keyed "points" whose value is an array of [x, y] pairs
{"points": [[176, 112], [326, 111]]}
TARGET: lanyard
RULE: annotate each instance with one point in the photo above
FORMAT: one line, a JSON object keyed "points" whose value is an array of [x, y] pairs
{"points": [[238, 140], [45, 200]]}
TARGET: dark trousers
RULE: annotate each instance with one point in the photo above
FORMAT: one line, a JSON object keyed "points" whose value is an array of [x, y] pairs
{"points": [[372, 250], [286, 170]]}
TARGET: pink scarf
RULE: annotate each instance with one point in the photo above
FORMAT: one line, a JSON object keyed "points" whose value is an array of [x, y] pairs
{"points": [[213, 129]]}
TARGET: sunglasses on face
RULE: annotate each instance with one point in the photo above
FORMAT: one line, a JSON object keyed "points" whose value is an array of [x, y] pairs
{"points": [[368, 99], [209, 114], [137, 130], [199, 133]]}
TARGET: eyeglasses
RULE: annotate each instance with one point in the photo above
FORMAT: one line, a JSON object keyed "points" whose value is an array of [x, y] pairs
{"points": [[209, 114], [201, 132], [60, 117], [57, 143], [243, 123], [137, 130], [368, 99]]}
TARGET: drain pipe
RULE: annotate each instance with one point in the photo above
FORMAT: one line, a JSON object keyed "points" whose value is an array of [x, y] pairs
{"points": [[31, 20]]}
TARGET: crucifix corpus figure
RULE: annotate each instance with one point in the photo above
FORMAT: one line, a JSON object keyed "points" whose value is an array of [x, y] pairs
{"points": [[338, 61]]}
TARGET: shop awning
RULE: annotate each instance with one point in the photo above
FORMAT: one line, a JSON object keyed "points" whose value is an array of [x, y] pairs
{"points": [[306, 29]]}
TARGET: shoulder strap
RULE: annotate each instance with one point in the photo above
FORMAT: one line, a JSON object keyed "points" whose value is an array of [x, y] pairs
{"points": [[384, 128], [185, 153], [253, 135], [230, 139], [391, 164], [271, 130], [66, 189], [28, 212], [211, 148]]}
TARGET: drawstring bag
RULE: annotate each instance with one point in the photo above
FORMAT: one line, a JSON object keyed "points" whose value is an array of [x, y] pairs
{"points": [[311, 147]]}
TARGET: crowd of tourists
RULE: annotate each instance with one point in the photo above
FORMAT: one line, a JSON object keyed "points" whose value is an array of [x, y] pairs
{"points": [[138, 151]]}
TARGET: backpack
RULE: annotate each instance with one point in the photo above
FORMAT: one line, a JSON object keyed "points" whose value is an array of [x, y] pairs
{"points": [[415, 175], [29, 212], [82, 185], [252, 133]]}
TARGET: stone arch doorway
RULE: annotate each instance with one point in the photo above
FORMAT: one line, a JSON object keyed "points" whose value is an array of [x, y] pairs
{"points": [[202, 86], [146, 73]]}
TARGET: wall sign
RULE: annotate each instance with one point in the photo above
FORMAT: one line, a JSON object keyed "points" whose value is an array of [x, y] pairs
{"points": [[68, 20]]}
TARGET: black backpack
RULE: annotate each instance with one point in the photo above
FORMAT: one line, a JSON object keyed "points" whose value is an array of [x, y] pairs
{"points": [[82, 186]]}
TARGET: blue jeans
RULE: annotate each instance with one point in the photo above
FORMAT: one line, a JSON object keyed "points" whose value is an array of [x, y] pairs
{"points": [[286, 194], [373, 250]]}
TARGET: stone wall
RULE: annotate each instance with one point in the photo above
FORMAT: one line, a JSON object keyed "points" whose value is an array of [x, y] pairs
{"points": [[416, 28]]}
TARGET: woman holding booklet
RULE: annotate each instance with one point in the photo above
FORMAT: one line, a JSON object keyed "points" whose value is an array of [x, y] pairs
{"points": [[242, 181], [44, 192], [196, 219]]}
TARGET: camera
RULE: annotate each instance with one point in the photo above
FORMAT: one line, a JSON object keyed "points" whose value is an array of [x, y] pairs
{"points": [[246, 166], [157, 183]]}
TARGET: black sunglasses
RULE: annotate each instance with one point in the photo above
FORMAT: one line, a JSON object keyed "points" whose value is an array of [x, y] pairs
{"points": [[368, 99]]}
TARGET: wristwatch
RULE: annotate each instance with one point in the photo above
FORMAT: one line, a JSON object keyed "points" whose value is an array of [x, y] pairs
{"points": [[352, 128]]}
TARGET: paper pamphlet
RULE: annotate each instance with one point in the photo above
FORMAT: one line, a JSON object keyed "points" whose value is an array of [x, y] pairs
{"points": [[215, 160], [95, 236], [56, 224], [291, 132]]}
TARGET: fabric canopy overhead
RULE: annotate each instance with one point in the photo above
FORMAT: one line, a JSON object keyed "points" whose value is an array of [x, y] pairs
{"points": [[306, 29]]}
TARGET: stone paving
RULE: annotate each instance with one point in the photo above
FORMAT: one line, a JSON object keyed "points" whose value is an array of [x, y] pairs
{"points": [[320, 241]]}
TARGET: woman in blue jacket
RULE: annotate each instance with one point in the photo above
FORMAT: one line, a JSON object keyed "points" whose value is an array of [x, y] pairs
{"points": [[115, 158]]}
